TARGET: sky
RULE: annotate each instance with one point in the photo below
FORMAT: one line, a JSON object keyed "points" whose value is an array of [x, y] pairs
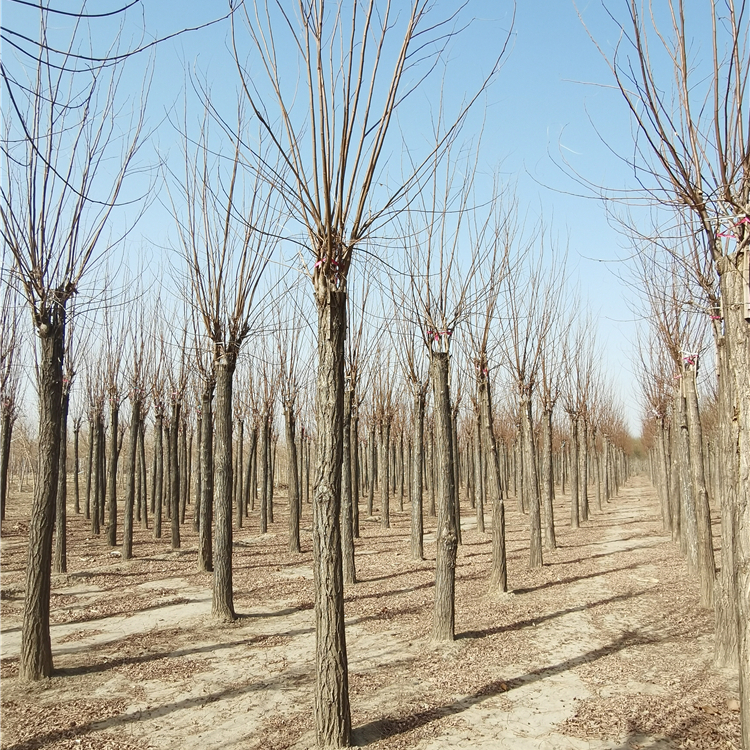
{"points": [[550, 113]]}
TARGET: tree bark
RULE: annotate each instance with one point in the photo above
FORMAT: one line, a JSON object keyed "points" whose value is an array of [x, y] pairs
{"points": [[575, 511], [292, 479], [263, 453], [158, 495], [7, 430], [76, 467], [354, 440], [417, 517], [205, 524], [384, 478], [548, 486], [127, 532], [222, 607], [114, 412], [706, 563], [36, 647], [90, 467], [734, 279], [142, 471], [479, 487], [347, 535], [332, 713], [60, 562], [96, 495], [583, 471], [443, 623], [532, 483], [371, 472], [174, 471], [494, 485]]}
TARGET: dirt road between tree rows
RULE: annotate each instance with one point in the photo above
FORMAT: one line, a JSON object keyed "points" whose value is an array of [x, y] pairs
{"points": [[603, 648]]}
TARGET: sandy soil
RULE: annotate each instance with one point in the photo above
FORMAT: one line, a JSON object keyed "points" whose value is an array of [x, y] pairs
{"points": [[605, 647]]}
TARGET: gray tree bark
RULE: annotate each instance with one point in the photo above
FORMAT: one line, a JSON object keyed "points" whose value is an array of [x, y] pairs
{"points": [[114, 412], [127, 533], [443, 623], [417, 517], [205, 525], [36, 647], [332, 713], [60, 561], [347, 535], [222, 607]]}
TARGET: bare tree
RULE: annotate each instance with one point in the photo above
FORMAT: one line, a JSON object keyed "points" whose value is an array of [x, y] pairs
{"points": [[442, 294], [693, 154], [354, 75], [529, 306], [9, 378], [65, 167], [224, 242]]}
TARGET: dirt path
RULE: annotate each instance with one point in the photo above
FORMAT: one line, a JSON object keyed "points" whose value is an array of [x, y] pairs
{"points": [[605, 647]]}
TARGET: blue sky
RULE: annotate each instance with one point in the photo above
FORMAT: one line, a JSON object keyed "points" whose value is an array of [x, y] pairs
{"points": [[551, 97]]}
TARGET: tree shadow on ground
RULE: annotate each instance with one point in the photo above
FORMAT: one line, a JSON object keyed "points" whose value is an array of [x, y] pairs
{"points": [[123, 720], [391, 726], [605, 554], [531, 622], [575, 579]]}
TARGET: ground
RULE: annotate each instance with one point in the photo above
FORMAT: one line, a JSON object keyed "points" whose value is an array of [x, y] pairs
{"points": [[604, 647]]}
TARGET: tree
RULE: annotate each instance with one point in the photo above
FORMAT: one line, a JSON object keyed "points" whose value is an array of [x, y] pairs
{"points": [[9, 382], [56, 200], [692, 152], [355, 75], [225, 246]]}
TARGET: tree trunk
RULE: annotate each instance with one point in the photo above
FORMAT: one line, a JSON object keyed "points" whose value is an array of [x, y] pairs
{"points": [[354, 444], [575, 511], [726, 643], [174, 472], [371, 472], [734, 277], [249, 464], [479, 486], [205, 524], [127, 533], [158, 494], [417, 522], [332, 714], [292, 479], [240, 492], [114, 412], [263, 453], [384, 478], [142, 470], [347, 536], [548, 486], [96, 495], [706, 563], [532, 484], [90, 467], [7, 430], [76, 467], [184, 469], [687, 509], [36, 647], [198, 474], [456, 475], [443, 623], [494, 485], [222, 607], [583, 471], [60, 562]]}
